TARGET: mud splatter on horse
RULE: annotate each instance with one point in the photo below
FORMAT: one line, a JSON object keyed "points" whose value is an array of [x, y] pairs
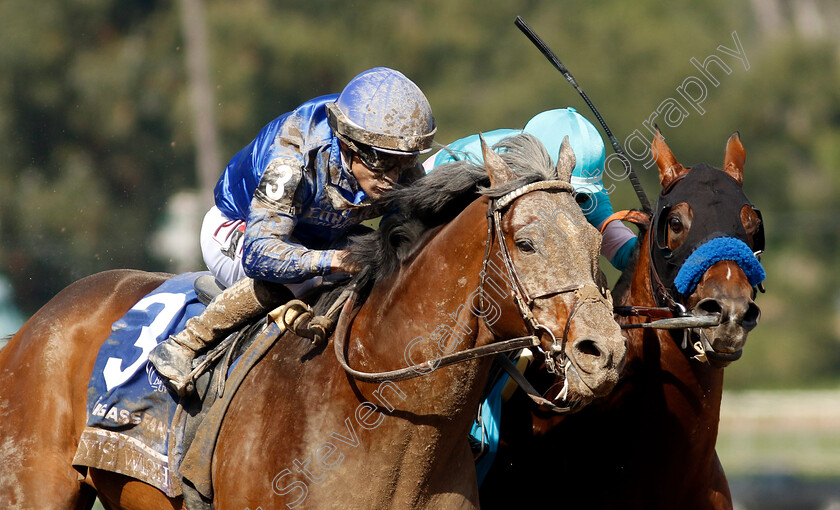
{"points": [[301, 428]]}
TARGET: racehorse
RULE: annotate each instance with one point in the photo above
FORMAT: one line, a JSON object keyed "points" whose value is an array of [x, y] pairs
{"points": [[650, 444], [383, 424]]}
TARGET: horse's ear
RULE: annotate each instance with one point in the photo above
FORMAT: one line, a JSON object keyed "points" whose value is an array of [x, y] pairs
{"points": [[733, 161], [497, 169], [565, 161], [669, 167]]}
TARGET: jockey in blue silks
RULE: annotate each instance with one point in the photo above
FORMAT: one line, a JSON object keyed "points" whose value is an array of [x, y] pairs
{"points": [[550, 127], [587, 177], [284, 201]]}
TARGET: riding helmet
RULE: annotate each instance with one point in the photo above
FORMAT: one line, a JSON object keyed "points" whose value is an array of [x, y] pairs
{"points": [[385, 110]]}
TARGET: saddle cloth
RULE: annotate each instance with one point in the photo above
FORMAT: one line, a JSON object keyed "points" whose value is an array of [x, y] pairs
{"points": [[130, 411]]}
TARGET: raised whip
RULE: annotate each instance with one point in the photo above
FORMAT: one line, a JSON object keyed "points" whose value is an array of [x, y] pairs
{"points": [[545, 50]]}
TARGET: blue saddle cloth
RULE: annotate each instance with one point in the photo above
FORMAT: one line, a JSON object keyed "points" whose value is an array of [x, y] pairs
{"points": [[129, 409]]}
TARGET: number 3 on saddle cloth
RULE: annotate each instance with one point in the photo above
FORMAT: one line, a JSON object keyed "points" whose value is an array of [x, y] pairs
{"points": [[129, 409]]}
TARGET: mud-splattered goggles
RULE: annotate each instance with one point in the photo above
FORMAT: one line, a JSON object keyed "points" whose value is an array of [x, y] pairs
{"points": [[380, 162]]}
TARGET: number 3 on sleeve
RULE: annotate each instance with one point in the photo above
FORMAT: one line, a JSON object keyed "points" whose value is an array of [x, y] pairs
{"points": [[278, 184]]}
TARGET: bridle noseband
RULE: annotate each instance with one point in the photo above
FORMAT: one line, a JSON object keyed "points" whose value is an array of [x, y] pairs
{"points": [[524, 301]]}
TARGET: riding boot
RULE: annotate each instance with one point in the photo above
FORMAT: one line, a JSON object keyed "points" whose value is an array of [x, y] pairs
{"points": [[234, 307]]}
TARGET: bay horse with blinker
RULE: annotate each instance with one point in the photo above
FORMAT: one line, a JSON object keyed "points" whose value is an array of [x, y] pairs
{"points": [[303, 428], [650, 444]]}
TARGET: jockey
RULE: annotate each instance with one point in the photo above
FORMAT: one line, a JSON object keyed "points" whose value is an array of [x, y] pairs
{"points": [[284, 202], [587, 177]]}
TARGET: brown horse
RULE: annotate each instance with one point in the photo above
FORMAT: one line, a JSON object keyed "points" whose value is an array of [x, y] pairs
{"points": [[650, 444], [301, 429]]}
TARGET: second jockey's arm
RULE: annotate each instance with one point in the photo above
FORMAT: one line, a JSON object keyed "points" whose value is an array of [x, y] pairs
{"points": [[618, 240]]}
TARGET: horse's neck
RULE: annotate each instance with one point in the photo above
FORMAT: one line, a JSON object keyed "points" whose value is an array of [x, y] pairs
{"points": [[655, 363], [423, 312]]}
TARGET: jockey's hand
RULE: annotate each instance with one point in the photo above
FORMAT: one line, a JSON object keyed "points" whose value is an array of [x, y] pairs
{"points": [[340, 265]]}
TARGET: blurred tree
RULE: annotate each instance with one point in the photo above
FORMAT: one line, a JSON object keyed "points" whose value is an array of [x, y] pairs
{"points": [[90, 146], [201, 91], [97, 138]]}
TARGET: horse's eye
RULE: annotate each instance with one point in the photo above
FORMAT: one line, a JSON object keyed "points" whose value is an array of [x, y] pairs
{"points": [[675, 224], [752, 222], [526, 246]]}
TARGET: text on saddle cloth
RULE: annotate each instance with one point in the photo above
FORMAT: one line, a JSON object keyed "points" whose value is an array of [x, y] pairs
{"points": [[129, 409]]}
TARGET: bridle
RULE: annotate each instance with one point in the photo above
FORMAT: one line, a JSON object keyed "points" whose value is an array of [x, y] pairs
{"points": [[661, 294], [521, 296], [523, 299], [669, 309]]}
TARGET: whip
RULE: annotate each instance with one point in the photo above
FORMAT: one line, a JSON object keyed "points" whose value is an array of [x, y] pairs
{"points": [[545, 50]]}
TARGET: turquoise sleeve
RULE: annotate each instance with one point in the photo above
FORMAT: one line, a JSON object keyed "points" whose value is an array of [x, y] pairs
{"points": [[619, 260], [597, 208]]}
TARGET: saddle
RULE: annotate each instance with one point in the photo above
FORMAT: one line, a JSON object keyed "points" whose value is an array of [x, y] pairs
{"points": [[220, 371]]}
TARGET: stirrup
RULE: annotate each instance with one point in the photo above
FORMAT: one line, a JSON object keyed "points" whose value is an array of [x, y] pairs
{"points": [[184, 386], [298, 317]]}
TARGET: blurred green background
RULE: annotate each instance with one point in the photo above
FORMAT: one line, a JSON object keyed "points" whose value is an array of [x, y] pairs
{"points": [[116, 117]]}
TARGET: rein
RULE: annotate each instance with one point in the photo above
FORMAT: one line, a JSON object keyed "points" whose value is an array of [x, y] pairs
{"points": [[343, 329], [661, 294], [521, 297]]}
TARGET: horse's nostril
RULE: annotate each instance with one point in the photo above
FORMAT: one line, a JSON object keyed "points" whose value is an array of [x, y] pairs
{"points": [[751, 316], [592, 356], [710, 307], [588, 347]]}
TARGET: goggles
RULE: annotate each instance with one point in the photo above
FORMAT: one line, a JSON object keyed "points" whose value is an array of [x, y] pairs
{"points": [[380, 162]]}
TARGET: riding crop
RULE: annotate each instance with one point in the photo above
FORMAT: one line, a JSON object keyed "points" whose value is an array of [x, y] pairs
{"points": [[545, 50]]}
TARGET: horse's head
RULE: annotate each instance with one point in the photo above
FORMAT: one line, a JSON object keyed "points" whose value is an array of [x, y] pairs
{"points": [[549, 262], [704, 240]]}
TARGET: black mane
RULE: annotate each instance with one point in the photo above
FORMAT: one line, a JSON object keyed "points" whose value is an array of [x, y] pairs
{"points": [[435, 199]]}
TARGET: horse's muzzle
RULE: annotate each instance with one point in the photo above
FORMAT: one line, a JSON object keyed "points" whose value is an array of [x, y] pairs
{"points": [[738, 316], [597, 363]]}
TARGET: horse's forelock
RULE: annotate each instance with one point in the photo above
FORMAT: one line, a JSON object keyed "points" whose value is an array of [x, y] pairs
{"points": [[527, 156]]}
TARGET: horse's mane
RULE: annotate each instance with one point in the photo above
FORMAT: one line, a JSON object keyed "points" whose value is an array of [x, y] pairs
{"points": [[433, 200]]}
